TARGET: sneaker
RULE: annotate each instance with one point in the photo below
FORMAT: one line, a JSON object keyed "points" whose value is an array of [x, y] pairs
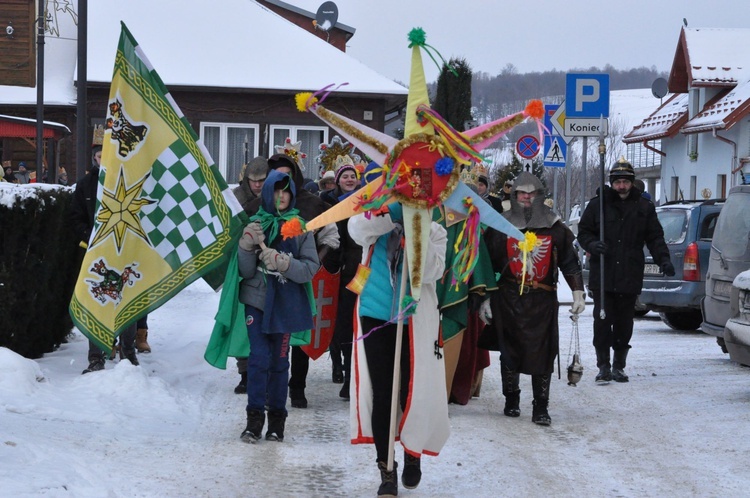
{"points": [[94, 366], [412, 473]]}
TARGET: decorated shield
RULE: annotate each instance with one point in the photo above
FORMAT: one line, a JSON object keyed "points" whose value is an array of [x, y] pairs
{"points": [[326, 291]]}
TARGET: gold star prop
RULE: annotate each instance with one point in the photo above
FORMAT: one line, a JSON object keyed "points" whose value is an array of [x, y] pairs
{"points": [[118, 212]]}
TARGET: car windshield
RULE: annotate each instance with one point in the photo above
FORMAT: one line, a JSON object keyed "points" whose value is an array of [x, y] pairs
{"points": [[733, 227], [674, 222]]}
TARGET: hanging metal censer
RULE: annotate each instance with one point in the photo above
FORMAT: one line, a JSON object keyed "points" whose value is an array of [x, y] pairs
{"points": [[575, 369]]}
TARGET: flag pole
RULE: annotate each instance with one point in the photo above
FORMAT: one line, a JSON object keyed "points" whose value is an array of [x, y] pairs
{"points": [[602, 151], [396, 387]]}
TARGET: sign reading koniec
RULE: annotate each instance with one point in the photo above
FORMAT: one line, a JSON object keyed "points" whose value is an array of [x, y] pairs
{"points": [[586, 104]]}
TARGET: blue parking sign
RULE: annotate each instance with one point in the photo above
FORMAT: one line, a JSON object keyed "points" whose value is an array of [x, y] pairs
{"points": [[586, 95]]}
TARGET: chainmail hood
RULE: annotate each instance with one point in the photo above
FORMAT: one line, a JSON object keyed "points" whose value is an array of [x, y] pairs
{"points": [[538, 215]]}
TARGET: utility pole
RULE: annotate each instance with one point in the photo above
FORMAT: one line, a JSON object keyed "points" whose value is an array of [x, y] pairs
{"points": [[83, 152], [39, 90]]}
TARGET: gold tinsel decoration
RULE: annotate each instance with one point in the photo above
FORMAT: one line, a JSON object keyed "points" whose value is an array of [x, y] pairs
{"points": [[334, 120], [416, 275], [497, 129]]}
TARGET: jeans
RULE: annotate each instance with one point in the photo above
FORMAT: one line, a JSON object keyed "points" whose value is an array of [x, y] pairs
{"points": [[267, 365]]}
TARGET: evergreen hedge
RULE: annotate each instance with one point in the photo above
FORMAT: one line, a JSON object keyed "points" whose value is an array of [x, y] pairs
{"points": [[38, 270]]}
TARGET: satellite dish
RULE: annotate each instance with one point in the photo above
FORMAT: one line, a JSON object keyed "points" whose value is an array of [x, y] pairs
{"points": [[659, 88], [326, 16]]}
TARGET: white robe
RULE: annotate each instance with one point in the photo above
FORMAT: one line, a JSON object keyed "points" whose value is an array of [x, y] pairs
{"points": [[423, 427]]}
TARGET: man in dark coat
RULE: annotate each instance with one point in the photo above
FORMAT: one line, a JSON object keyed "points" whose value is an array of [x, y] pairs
{"points": [[629, 222], [526, 307]]}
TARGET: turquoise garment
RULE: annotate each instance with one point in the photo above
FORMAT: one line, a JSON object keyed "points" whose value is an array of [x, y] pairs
{"points": [[379, 298]]}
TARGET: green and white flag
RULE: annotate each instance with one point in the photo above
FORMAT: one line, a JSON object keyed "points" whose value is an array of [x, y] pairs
{"points": [[164, 214]]}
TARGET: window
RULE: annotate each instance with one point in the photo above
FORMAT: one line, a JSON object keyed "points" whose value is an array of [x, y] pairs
{"points": [[675, 224], [676, 194], [231, 145], [721, 186], [708, 225], [693, 182], [311, 138]]}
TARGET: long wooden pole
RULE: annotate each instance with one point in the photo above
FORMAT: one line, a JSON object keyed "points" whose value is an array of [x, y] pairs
{"points": [[397, 365]]}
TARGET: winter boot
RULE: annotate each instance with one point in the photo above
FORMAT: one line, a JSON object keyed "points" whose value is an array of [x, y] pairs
{"points": [[618, 365], [344, 392], [115, 350], [512, 392], [540, 386], [388, 480], [337, 376], [95, 364], [129, 355], [297, 395], [602, 362], [242, 386], [254, 429], [276, 421], [412, 473], [141, 343]]}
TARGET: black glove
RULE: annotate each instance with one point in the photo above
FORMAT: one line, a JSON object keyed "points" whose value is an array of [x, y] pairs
{"points": [[598, 247], [667, 268]]}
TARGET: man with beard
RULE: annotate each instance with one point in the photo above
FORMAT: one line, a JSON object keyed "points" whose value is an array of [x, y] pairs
{"points": [[525, 308], [630, 221]]}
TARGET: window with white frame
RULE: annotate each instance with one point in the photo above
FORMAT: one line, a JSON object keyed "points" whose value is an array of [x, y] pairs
{"points": [[231, 145], [310, 137]]}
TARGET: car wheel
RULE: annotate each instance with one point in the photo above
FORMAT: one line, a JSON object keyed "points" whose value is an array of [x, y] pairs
{"points": [[687, 320], [722, 345]]}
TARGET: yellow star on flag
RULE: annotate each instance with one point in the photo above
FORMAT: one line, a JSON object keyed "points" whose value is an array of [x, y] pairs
{"points": [[118, 212]]}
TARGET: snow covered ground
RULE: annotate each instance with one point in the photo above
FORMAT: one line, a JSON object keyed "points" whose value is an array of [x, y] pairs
{"points": [[171, 426]]}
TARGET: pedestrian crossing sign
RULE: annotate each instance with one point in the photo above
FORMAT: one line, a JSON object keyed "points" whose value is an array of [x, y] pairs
{"points": [[555, 150]]}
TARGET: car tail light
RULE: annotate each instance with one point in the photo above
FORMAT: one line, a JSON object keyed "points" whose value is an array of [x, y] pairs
{"points": [[691, 267]]}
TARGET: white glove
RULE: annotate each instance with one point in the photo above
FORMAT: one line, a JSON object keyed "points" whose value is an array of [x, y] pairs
{"points": [[485, 313], [252, 236], [579, 303], [268, 256], [328, 236]]}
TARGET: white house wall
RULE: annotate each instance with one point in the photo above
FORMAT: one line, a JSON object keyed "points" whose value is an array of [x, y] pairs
{"points": [[714, 160]]}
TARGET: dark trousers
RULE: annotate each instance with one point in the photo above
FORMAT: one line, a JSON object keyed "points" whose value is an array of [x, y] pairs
{"points": [[267, 366], [343, 333], [300, 366], [380, 350], [616, 329]]}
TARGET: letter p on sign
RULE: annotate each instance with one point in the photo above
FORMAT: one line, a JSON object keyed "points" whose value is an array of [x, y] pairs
{"points": [[587, 90], [586, 95]]}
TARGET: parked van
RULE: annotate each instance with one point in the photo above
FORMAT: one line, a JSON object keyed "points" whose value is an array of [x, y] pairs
{"points": [[730, 255]]}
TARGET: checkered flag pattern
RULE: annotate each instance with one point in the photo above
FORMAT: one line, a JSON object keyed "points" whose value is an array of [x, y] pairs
{"points": [[182, 222]]}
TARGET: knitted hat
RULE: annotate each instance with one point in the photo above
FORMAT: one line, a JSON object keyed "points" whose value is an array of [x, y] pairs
{"points": [[343, 164]]}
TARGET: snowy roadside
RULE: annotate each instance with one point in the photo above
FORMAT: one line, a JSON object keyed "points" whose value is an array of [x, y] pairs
{"points": [[171, 426]]}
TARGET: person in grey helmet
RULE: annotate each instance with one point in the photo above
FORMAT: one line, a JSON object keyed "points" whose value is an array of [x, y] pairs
{"points": [[252, 178], [630, 221], [523, 312]]}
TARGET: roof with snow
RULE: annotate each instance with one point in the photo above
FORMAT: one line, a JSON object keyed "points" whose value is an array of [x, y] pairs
{"points": [[723, 112], [242, 45], [705, 57], [710, 57], [192, 43], [664, 122]]}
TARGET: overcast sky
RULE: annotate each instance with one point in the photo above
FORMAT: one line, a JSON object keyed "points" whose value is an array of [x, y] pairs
{"points": [[533, 35]]}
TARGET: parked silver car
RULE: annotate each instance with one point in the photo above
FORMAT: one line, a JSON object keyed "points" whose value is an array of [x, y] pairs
{"points": [[730, 255], [737, 329]]}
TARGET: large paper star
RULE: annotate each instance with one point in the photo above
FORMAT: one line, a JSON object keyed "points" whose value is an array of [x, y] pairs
{"points": [[422, 170], [118, 212]]}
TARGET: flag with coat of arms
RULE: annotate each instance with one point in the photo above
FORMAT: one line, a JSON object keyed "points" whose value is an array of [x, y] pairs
{"points": [[164, 215]]}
